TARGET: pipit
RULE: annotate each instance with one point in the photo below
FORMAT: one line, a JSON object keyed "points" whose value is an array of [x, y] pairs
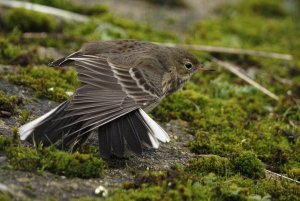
{"points": [[120, 80]]}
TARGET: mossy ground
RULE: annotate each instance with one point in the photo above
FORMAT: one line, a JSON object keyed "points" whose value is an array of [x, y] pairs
{"points": [[59, 162], [241, 130]]}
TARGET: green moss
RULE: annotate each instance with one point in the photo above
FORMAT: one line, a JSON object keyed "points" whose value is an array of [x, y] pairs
{"points": [[207, 164], [73, 165], [266, 8], [24, 116], [4, 143], [294, 173], [179, 185], [5, 197], [23, 158], [58, 162], [32, 21], [8, 51], [8, 103], [47, 82], [249, 165]]}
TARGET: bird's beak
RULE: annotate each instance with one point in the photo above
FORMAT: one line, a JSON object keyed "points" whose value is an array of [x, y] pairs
{"points": [[202, 68]]}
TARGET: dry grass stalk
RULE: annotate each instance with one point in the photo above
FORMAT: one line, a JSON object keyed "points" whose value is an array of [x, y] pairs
{"points": [[277, 176], [237, 71]]}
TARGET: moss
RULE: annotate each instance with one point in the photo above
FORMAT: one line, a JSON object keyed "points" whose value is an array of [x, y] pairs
{"points": [[265, 8], [73, 165], [47, 82], [183, 186], [23, 158], [5, 197], [58, 162], [8, 51], [29, 21], [24, 116], [4, 143], [294, 173], [249, 165], [8, 103], [207, 164]]}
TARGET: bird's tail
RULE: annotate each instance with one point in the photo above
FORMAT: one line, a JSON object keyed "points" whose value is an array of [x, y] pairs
{"points": [[48, 129], [133, 130]]}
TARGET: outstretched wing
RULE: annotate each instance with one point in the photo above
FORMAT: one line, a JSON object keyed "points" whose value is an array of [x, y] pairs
{"points": [[109, 91]]}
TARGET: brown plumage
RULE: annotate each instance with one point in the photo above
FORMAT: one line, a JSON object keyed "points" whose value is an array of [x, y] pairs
{"points": [[119, 79]]}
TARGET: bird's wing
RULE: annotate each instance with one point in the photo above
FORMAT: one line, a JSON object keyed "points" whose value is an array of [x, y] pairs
{"points": [[108, 92]]}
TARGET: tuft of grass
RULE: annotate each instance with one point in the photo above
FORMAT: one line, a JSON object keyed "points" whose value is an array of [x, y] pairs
{"points": [[58, 162]]}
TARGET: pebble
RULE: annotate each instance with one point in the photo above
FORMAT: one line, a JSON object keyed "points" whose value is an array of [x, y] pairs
{"points": [[3, 159], [101, 191], [5, 114]]}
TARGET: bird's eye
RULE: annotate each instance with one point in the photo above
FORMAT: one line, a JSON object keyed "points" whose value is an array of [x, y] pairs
{"points": [[188, 65]]}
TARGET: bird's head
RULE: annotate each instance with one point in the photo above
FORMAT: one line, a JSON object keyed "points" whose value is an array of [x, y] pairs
{"points": [[186, 64]]}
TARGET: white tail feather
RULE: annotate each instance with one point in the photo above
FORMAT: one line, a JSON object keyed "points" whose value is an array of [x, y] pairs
{"points": [[26, 129], [158, 132], [155, 143]]}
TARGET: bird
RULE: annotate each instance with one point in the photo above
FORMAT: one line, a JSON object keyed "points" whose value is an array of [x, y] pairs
{"points": [[121, 80]]}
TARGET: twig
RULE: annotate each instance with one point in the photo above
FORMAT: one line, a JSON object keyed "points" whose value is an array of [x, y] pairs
{"points": [[228, 50], [236, 70], [66, 15], [274, 174]]}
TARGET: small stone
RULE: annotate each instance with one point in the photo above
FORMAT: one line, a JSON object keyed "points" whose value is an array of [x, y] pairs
{"points": [[3, 159], [5, 114], [101, 191]]}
